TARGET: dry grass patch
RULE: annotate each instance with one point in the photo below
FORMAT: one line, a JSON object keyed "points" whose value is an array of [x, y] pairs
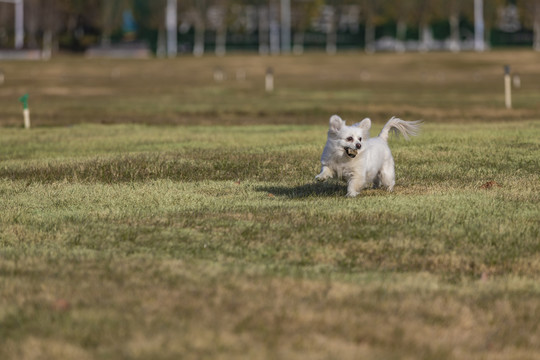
{"points": [[434, 87]]}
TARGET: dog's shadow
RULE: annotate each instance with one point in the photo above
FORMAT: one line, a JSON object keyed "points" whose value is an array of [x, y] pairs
{"points": [[329, 189]]}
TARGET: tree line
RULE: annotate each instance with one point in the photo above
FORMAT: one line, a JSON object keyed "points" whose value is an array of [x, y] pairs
{"points": [[215, 25]]}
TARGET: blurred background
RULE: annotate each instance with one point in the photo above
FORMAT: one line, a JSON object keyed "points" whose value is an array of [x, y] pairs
{"points": [[142, 28]]}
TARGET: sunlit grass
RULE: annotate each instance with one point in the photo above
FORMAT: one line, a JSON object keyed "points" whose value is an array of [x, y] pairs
{"points": [[101, 244]]}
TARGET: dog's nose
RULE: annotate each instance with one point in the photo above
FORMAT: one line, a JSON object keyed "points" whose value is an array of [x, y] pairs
{"points": [[358, 145]]}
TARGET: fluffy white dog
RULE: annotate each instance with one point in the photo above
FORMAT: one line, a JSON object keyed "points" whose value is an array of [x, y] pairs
{"points": [[352, 155]]}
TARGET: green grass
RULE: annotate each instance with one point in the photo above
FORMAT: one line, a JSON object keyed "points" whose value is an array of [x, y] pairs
{"points": [[142, 241]]}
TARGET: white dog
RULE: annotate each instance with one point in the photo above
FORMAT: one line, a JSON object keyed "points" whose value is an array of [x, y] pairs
{"points": [[352, 155]]}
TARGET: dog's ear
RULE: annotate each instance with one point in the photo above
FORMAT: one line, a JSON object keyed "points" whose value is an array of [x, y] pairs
{"points": [[364, 124], [336, 123]]}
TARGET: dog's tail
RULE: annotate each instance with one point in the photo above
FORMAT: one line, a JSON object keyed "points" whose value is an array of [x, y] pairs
{"points": [[406, 128]]}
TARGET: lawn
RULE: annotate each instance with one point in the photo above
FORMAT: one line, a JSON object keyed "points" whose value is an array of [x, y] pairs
{"points": [[155, 213]]}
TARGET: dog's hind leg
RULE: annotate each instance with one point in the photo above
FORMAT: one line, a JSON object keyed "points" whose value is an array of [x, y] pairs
{"points": [[387, 175]]}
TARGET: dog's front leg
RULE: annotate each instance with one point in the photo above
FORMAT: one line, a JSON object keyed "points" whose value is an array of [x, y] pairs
{"points": [[326, 173], [355, 185]]}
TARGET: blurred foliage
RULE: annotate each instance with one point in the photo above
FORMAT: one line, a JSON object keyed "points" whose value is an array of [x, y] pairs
{"points": [[77, 24]]}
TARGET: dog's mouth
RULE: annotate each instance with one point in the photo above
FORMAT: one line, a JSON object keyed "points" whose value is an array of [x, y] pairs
{"points": [[351, 152]]}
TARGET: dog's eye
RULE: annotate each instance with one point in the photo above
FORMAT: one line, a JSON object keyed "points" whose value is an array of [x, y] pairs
{"points": [[359, 139], [350, 138]]}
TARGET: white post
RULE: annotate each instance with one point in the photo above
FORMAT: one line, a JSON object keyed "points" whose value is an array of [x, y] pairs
{"points": [[171, 24], [479, 44], [219, 75], [269, 80], [507, 87], [285, 26], [26, 115], [26, 112]]}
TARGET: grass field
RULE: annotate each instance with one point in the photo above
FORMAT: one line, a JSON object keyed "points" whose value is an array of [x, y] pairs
{"points": [[153, 213]]}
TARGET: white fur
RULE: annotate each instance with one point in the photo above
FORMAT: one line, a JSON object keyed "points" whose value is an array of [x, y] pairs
{"points": [[372, 164]]}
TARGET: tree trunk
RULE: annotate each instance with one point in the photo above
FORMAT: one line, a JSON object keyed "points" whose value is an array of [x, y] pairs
{"points": [[19, 25], [331, 37], [479, 36], [401, 35], [426, 37], [274, 29], [263, 28], [161, 46], [298, 47], [198, 41], [331, 42], [286, 26], [32, 24], [5, 15], [221, 40], [454, 33], [169, 43], [108, 14], [46, 51], [370, 36], [536, 27], [219, 24]]}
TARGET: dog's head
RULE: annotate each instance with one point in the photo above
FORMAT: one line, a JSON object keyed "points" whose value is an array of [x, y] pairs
{"points": [[348, 139]]}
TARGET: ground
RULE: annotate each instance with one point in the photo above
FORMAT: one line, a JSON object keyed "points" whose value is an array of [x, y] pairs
{"points": [[152, 212]]}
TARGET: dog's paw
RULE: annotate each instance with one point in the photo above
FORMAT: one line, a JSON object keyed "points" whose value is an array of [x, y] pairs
{"points": [[325, 174], [352, 194]]}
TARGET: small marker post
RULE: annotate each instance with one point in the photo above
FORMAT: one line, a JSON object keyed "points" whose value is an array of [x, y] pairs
{"points": [[269, 80], [26, 112], [219, 75], [507, 87]]}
